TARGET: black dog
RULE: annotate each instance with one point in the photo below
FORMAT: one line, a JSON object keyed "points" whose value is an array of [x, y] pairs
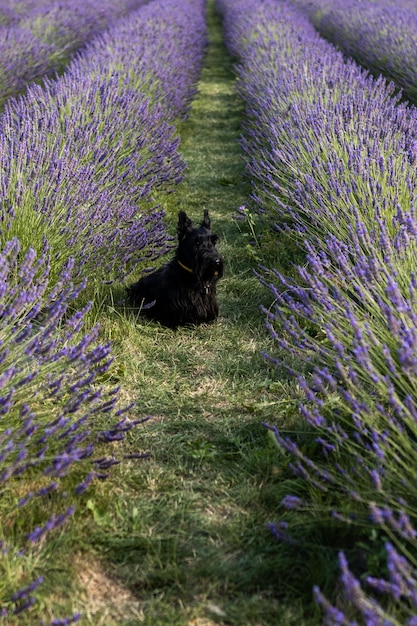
{"points": [[184, 290]]}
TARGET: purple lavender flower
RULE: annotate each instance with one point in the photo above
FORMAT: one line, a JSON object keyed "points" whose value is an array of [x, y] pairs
{"points": [[401, 586], [66, 621], [292, 502], [25, 591]]}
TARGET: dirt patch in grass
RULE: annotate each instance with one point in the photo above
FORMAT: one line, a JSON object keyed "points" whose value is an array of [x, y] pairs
{"points": [[103, 598]]}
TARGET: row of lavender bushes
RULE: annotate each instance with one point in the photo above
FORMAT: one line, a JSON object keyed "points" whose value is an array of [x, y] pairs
{"points": [[55, 416], [332, 155], [37, 38], [379, 35], [79, 162], [82, 156]]}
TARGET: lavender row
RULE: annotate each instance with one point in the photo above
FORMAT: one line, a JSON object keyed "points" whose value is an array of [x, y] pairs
{"points": [[169, 40], [378, 35], [81, 157], [55, 416], [37, 39], [80, 160], [335, 144], [331, 155]]}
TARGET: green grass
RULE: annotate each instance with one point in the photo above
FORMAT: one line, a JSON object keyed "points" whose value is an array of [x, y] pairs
{"points": [[180, 538]]}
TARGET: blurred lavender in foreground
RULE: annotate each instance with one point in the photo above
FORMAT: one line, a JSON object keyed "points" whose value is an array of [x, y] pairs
{"points": [[401, 587], [358, 341], [332, 156], [55, 416], [82, 158]]}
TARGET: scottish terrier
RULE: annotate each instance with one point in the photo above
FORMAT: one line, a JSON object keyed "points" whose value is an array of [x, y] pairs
{"points": [[183, 291]]}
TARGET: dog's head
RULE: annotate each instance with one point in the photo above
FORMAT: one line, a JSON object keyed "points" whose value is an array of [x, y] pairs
{"points": [[197, 250]]}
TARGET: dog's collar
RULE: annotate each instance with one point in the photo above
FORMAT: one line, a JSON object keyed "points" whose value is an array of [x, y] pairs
{"points": [[188, 269], [184, 267]]}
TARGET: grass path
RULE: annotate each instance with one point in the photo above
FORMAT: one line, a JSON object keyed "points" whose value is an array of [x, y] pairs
{"points": [[180, 538]]}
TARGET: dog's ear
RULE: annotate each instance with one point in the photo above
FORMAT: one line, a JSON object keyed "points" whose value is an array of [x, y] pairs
{"points": [[206, 221], [184, 224]]}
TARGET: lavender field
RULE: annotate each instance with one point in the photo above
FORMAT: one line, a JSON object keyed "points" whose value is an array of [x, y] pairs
{"points": [[259, 470]]}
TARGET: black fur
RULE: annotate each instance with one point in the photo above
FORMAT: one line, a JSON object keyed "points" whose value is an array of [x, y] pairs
{"points": [[183, 291]]}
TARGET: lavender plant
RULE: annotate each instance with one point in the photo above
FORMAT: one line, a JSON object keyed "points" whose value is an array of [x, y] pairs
{"points": [[55, 416], [82, 157], [354, 324], [7, 15], [401, 586], [37, 39], [377, 35], [23, 58], [345, 328], [169, 45], [314, 121]]}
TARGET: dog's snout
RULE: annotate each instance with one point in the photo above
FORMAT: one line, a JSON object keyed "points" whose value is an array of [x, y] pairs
{"points": [[217, 267], [216, 263]]}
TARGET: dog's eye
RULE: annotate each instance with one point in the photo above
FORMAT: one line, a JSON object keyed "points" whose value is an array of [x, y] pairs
{"points": [[214, 239]]}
